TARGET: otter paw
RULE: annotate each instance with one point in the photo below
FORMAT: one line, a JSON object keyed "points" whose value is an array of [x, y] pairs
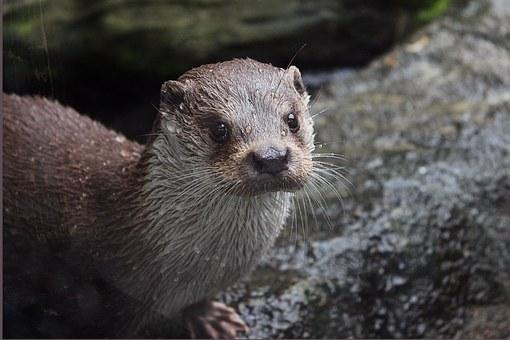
{"points": [[213, 320]]}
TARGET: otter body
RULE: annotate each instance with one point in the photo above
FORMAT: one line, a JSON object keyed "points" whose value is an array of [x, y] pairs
{"points": [[170, 224], [60, 168]]}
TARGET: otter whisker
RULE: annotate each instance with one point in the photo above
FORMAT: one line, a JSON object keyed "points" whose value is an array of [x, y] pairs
{"points": [[201, 188], [318, 177], [288, 65], [183, 175], [306, 226], [328, 166], [316, 99], [301, 217], [188, 184], [332, 170], [314, 203], [298, 219], [312, 208], [328, 155], [322, 144], [293, 221], [336, 175], [192, 191], [320, 199], [326, 172], [214, 206], [323, 111]]}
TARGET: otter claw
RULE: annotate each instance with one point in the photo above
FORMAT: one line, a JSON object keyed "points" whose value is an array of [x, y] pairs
{"points": [[213, 320]]}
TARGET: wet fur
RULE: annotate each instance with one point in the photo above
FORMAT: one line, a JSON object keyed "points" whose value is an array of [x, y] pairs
{"points": [[169, 224]]}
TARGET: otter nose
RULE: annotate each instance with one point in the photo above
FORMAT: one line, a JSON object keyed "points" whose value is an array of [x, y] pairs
{"points": [[270, 161]]}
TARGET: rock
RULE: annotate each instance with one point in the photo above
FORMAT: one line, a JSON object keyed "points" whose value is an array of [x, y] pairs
{"points": [[486, 322], [422, 246]]}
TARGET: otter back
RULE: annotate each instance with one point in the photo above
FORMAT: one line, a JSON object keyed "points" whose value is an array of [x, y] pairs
{"points": [[61, 170], [54, 158]]}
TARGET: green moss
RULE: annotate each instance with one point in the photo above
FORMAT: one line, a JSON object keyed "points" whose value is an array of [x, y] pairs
{"points": [[156, 40], [436, 8]]}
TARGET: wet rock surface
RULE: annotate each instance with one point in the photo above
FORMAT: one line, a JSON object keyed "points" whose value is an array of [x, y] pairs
{"points": [[421, 247]]}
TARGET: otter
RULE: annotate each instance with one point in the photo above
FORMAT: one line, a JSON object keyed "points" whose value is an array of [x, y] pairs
{"points": [[169, 224]]}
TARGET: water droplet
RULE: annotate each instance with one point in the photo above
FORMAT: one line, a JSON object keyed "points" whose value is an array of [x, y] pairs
{"points": [[170, 127], [284, 133], [181, 106]]}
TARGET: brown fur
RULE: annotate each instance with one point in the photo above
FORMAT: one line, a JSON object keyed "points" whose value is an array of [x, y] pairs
{"points": [[60, 168], [117, 208]]}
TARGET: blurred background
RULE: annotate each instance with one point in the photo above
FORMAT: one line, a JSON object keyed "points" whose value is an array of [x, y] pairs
{"points": [[109, 58], [415, 94]]}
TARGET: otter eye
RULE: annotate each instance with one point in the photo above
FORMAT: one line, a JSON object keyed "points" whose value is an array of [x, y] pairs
{"points": [[220, 132], [293, 122]]}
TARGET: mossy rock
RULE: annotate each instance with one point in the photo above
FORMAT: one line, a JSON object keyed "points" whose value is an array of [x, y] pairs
{"points": [[113, 55]]}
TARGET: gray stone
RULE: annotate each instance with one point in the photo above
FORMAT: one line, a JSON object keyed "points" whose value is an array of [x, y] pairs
{"points": [[422, 245]]}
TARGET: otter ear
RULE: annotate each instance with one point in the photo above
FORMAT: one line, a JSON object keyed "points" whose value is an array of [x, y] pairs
{"points": [[296, 79], [172, 94]]}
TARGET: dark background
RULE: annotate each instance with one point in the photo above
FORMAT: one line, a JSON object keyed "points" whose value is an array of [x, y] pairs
{"points": [[109, 58]]}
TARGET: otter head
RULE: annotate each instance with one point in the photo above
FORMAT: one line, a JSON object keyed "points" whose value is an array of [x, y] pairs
{"points": [[243, 124]]}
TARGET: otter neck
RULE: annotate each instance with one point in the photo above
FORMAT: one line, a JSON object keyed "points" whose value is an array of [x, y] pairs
{"points": [[180, 223]]}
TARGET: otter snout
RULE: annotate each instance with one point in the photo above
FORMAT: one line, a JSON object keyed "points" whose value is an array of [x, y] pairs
{"points": [[270, 160]]}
